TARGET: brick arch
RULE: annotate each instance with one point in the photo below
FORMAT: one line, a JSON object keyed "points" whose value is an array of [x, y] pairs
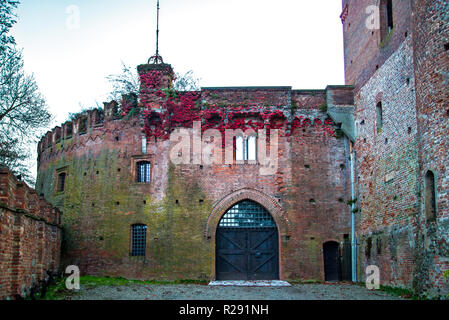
{"points": [[261, 198]]}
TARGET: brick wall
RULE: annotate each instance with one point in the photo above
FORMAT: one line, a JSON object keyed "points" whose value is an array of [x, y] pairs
{"points": [[431, 56], [365, 50], [410, 82], [102, 199], [30, 237]]}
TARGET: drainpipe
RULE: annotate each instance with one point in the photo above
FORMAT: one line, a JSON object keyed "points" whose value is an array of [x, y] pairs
{"points": [[353, 239]]}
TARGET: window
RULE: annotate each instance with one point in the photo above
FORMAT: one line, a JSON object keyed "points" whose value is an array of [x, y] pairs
{"points": [[69, 130], [430, 196], [379, 117], [368, 248], [143, 171], [83, 126], [390, 15], [138, 240], [245, 149], [61, 182], [386, 18], [247, 214]]}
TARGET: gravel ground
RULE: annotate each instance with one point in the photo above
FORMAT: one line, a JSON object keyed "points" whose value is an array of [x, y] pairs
{"points": [[199, 292]]}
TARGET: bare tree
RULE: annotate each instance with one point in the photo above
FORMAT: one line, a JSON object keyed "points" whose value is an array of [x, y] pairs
{"points": [[23, 110], [187, 82], [128, 82], [124, 83]]}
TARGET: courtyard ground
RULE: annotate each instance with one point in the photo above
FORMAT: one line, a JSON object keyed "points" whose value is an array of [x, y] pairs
{"points": [[204, 292]]}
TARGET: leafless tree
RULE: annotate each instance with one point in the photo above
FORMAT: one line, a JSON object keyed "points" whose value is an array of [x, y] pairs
{"points": [[128, 82], [23, 113]]}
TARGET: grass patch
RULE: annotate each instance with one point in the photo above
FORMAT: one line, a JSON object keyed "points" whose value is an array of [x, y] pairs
{"points": [[308, 281], [58, 290], [400, 292]]}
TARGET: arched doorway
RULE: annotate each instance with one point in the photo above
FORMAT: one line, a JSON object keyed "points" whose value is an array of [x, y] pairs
{"points": [[246, 244], [331, 253]]}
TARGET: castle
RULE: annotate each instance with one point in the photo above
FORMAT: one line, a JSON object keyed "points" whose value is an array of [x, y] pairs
{"points": [[361, 176]]}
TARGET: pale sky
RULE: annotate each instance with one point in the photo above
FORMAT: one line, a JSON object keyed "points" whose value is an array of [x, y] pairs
{"points": [[294, 43]]}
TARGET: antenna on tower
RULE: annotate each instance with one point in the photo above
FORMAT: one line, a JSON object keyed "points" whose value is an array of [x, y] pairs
{"points": [[156, 59]]}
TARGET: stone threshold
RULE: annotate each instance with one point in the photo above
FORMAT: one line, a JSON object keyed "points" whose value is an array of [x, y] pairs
{"points": [[249, 283]]}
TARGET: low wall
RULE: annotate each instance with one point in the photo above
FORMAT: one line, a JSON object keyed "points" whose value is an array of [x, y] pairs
{"points": [[30, 238]]}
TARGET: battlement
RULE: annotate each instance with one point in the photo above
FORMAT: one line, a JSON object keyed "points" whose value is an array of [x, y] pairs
{"points": [[226, 99]]}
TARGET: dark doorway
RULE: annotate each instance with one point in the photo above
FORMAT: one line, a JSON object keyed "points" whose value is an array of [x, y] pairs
{"points": [[247, 244], [331, 254]]}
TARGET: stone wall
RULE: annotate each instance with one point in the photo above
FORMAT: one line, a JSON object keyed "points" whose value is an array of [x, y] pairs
{"points": [[30, 238]]}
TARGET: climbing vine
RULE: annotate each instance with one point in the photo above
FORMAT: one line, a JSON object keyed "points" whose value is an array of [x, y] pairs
{"points": [[165, 109]]}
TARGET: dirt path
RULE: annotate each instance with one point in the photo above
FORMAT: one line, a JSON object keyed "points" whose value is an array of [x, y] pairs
{"points": [[199, 292]]}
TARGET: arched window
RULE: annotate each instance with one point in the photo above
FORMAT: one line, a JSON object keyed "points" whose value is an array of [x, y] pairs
{"points": [[138, 240], [430, 196], [143, 171], [61, 182]]}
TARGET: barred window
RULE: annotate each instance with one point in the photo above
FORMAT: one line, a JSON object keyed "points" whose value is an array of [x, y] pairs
{"points": [[138, 240], [247, 214], [143, 171], [61, 182]]}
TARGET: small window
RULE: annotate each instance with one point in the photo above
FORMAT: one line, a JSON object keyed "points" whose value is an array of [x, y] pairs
{"points": [[386, 18], [246, 149], [379, 116], [369, 244], [69, 130], [61, 182], [83, 126], [390, 15], [143, 171], [430, 196], [138, 240]]}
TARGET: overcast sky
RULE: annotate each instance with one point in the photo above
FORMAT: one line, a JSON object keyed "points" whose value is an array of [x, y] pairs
{"points": [[294, 43]]}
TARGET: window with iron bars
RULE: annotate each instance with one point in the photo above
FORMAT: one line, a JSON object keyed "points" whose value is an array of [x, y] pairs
{"points": [[143, 172], [247, 214], [138, 240], [61, 182]]}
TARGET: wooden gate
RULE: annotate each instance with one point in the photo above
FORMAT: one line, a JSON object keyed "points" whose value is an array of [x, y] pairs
{"points": [[247, 244]]}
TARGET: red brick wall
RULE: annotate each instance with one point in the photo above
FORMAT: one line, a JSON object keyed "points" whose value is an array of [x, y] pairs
{"points": [[411, 82], [364, 48], [30, 237], [310, 188], [430, 35]]}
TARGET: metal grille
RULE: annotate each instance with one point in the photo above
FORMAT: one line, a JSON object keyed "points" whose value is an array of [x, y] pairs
{"points": [[247, 214], [139, 239], [143, 171]]}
